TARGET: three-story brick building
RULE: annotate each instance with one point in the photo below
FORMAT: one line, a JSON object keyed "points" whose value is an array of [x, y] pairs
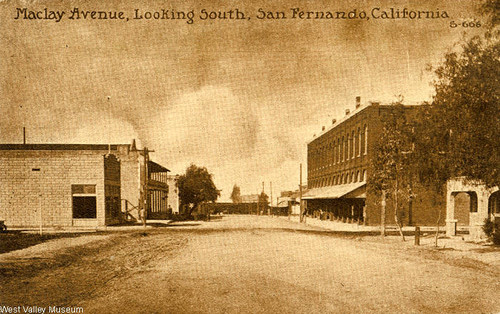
{"points": [[338, 166]]}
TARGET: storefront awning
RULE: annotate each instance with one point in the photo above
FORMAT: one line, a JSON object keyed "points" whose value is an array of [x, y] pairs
{"points": [[353, 190]]}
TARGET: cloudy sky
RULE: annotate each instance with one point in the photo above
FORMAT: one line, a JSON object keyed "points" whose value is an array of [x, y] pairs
{"points": [[241, 97]]}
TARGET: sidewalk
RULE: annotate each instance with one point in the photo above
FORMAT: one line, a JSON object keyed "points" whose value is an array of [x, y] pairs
{"points": [[460, 246], [122, 227]]}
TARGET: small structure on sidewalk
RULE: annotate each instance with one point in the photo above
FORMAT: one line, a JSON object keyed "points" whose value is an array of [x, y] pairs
{"points": [[468, 205]]}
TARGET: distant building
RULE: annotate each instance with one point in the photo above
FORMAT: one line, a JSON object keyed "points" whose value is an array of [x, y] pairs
{"points": [[338, 166], [291, 199], [78, 184], [250, 198]]}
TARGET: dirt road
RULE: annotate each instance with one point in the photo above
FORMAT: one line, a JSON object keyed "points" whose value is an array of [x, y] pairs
{"points": [[250, 265]]}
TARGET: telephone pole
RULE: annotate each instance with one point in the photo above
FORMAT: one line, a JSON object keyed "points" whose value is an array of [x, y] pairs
{"points": [[271, 199], [146, 188], [301, 215]]}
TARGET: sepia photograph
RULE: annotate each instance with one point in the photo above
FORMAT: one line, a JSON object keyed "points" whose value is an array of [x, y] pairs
{"points": [[209, 156]]}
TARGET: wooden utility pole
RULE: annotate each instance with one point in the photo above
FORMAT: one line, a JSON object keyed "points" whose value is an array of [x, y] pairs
{"points": [[301, 214], [270, 199], [146, 188], [263, 199], [40, 209]]}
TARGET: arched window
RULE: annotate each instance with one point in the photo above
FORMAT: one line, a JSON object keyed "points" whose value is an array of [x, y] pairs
{"points": [[352, 144], [341, 179], [338, 150], [346, 148], [364, 175], [342, 149], [334, 152], [359, 142], [366, 139]]}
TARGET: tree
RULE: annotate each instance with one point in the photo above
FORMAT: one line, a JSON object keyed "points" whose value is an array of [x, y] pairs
{"points": [[263, 202], [392, 167], [236, 194], [196, 186], [461, 126]]}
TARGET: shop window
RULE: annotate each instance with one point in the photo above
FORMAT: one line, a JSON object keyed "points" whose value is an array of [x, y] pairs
{"points": [[84, 201]]}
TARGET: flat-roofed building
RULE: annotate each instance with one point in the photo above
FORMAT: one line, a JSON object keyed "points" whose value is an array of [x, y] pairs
{"points": [[77, 184], [338, 168]]}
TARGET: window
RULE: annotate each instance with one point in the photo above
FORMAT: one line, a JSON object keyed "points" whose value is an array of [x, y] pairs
{"points": [[473, 202], [84, 201], [352, 144], [338, 151], [359, 142], [366, 139], [346, 148], [342, 149]]}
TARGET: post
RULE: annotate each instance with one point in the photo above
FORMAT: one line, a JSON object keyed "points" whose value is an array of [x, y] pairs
{"points": [[263, 203], [38, 170], [40, 209], [301, 215], [24, 135], [382, 214], [270, 199], [417, 235], [146, 191]]}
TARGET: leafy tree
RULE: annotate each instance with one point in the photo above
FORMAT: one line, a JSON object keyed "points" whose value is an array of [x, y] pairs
{"points": [[392, 166], [236, 194], [196, 186], [461, 126], [263, 202]]}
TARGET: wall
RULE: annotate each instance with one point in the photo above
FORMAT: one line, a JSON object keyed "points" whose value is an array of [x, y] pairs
{"points": [[112, 189], [131, 180], [20, 187]]}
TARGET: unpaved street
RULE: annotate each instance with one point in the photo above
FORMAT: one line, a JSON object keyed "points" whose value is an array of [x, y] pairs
{"points": [[248, 264]]}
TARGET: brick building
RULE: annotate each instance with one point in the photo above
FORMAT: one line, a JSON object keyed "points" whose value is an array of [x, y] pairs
{"points": [[77, 184], [338, 166]]}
